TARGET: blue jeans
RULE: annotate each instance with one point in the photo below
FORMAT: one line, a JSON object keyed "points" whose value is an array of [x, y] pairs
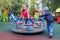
{"points": [[50, 28], [35, 20]]}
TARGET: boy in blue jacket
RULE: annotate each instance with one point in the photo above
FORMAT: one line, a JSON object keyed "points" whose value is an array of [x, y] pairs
{"points": [[50, 21]]}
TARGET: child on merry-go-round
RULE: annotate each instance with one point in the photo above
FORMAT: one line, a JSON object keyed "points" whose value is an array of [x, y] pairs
{"points": [[25, 14]]}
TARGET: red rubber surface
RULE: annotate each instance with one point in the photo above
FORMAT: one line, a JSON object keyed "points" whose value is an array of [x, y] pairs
{"points": [[12, 36]]}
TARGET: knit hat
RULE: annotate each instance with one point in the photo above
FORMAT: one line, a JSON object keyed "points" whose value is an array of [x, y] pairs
{"points": [[45, 8]]}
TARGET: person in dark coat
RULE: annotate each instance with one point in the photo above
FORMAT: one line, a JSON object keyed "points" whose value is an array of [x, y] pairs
{"points": [[50, 21]]}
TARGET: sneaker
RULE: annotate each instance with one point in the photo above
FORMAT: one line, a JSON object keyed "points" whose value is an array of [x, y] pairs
{"points": [[50, 36]]}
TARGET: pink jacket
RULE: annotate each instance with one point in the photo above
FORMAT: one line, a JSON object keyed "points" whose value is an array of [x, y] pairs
{"points": [[24, 14]]}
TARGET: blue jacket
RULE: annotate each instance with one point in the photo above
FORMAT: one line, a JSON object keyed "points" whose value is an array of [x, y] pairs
{"points": [[48, 17]]}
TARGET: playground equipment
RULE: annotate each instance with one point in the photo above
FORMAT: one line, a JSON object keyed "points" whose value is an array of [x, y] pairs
{"points": [[21, 28], [13, 17], [57, 14]]}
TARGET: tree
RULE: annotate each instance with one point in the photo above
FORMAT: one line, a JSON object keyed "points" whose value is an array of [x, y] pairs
{"points": [[32, 6], [12, 4], [56, 4], [18, 5], [53, 4]]}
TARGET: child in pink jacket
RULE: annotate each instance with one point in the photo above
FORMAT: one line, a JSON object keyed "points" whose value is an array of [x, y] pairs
{"points": [[24, 14]]}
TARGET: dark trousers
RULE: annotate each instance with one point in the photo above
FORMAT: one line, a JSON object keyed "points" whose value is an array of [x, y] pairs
{"points": [[26, 20]]}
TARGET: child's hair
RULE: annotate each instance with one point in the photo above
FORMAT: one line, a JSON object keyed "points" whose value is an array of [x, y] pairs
{"points": [[40, 12], [24, 7]]}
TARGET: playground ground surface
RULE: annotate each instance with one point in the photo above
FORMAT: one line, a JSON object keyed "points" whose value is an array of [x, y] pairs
{"points": [[6, 34]]}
